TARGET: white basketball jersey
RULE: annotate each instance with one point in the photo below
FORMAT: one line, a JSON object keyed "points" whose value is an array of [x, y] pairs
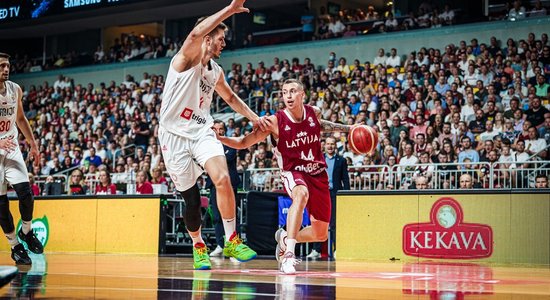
{"points": [[8, 111], [186, 100]]}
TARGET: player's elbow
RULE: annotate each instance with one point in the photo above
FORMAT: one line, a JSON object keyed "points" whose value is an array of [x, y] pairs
{"points": [[194, 35], [230, 99]]}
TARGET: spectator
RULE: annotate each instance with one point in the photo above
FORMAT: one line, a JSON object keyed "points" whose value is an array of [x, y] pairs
{"points": [[535, 145], [143, 186], [308, 25], [477, 126], [93, 158], [76, 183], [544, 131], [394, 61], [34, 187], [372, 14], [467, 151], [336, 27], [536, 113], [517, 12], [541, 181], [249, 41], [157, 177], [380, 59], [466, 181], [445, 172], [538, 10], [447, 16], [52, 188], [421, 183], [391, 23], [105, 187], [489, 132], [349, 32]]}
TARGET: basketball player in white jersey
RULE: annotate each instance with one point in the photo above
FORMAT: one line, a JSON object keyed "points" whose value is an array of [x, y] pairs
{"points": [[12, 166], [187, 142]]}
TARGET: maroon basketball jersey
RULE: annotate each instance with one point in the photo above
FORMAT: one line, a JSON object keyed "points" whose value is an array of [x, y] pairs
{"points": [[299, 144]]}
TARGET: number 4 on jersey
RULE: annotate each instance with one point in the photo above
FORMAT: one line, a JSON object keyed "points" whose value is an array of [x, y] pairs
{"points": [[309, 157]]}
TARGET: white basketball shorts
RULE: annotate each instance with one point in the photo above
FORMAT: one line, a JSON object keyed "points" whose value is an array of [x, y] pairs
{"points": [[12, 169], [185, 158]]}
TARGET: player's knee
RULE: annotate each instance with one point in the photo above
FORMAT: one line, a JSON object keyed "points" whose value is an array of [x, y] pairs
{"points": [[321, 232], [300, 195], [26, 200], [192, 197], [322, 236]]}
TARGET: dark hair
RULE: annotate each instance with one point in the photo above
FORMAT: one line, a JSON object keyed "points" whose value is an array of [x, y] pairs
{"points": [[4, 55], [218, 121], [221, 26], [541, 175]]}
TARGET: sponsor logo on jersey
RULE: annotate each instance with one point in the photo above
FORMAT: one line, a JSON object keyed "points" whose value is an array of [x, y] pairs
{"points": [[311, 168], [311, 123], [447, 235], [287, 128], [188, 114]]}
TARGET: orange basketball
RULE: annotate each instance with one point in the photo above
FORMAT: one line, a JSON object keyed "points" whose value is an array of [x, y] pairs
{"points": [[363, 139]]}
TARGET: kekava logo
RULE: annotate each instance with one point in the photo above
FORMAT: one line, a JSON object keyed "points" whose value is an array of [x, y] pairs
{"points": [[41, 229], [447, 236]]}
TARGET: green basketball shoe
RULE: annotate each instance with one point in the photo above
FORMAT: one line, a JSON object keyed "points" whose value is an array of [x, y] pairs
{"points": [[235, 248], [201, 260]]}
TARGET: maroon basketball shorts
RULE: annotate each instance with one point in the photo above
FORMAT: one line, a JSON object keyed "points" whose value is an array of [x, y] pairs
{"points": [[319, 203]]}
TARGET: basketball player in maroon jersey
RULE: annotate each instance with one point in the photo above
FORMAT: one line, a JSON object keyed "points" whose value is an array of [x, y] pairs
{"points": [[296, 132]]}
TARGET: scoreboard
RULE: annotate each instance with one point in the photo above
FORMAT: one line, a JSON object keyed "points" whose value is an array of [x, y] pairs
{"points": [[18, 10]]}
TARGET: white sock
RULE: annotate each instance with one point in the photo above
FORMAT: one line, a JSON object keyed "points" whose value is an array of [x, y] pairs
{"points": [[12, 239], [26, 226], [290, 245], [196, 237], [229, 226]]}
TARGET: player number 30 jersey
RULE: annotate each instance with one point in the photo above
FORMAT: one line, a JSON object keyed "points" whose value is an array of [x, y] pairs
{"points": [[8, 111]]}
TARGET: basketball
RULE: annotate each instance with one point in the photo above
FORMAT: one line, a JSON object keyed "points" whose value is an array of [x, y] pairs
{"points": [[363, 139]]}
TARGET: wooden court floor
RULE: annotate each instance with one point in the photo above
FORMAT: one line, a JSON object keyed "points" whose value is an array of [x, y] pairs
{"points": [[81, 276]]}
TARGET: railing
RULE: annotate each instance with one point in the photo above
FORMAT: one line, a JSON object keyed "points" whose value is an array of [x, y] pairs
{"points": [[267, 180], [252, 101], [483, 175]]}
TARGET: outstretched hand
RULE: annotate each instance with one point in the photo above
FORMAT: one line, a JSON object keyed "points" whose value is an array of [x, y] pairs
{"points": [[238, 6], [263, 123]]}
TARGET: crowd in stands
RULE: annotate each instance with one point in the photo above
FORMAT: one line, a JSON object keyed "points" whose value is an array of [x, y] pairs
{"points": [[464, 103], [347, 23]]}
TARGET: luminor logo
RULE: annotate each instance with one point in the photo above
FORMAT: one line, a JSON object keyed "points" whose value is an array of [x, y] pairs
{"points": [[40, 227]]}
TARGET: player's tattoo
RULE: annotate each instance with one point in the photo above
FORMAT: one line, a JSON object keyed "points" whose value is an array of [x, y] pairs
{"points": [[328, 126]]}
